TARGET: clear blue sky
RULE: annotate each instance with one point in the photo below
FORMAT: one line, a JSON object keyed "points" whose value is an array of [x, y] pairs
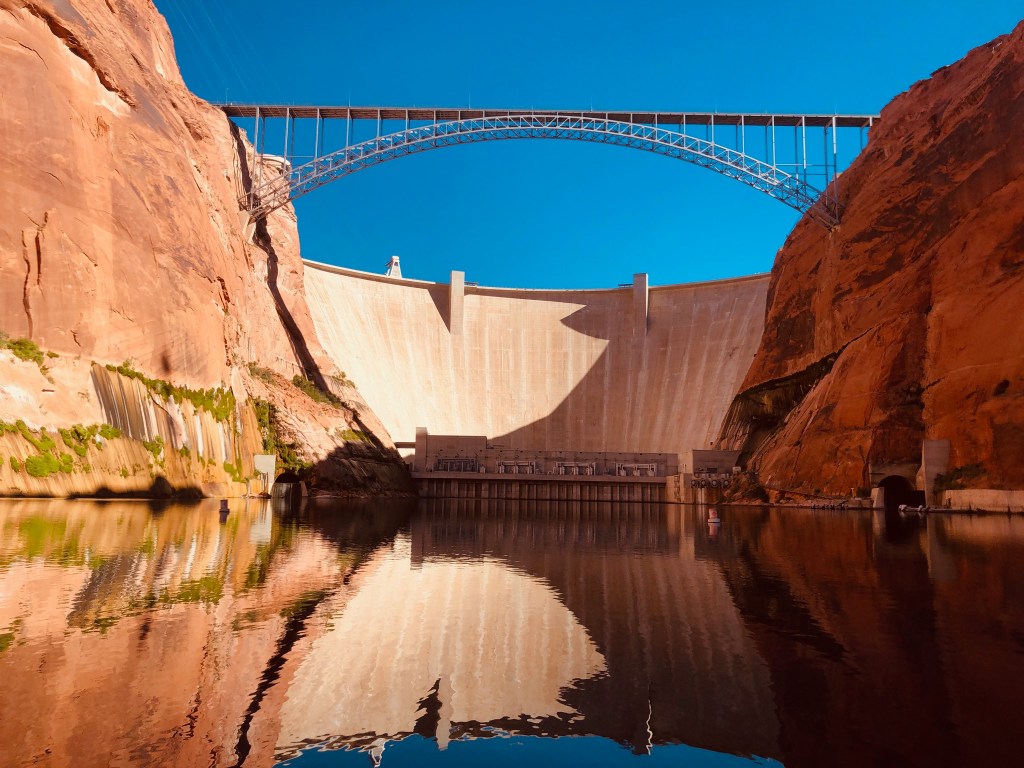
{"points": [[563, 214]]}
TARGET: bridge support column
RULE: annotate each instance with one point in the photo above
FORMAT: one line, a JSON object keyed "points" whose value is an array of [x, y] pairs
{"points": [[456, 301], [640, 304]]}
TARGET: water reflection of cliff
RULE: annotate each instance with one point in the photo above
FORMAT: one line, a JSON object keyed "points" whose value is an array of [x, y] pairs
{"points": [[888, 643], [143, 637]]}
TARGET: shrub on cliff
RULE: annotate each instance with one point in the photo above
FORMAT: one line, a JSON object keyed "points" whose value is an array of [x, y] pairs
{"points": [[108, 432], [266, 416], [42, 465], [958, 478], [24, 349], [27, 350], [315, 393]]}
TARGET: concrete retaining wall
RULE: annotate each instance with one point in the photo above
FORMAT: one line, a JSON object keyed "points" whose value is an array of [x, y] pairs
{"points": [[542, 369], [983, 498]]}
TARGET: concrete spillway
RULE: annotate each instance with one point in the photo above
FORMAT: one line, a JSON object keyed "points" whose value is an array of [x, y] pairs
{"points": [[627, 369]]}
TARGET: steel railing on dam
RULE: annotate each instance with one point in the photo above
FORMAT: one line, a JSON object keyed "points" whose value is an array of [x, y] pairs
{"points": [[633, 369]]}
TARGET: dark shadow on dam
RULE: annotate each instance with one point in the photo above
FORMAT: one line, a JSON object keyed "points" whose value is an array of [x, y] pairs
{"points": [[655, 385], [569, 421], [442, 302]]}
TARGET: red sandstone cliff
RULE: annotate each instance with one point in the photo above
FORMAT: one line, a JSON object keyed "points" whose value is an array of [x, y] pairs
{"points": [[120, 239], [904, 323]]}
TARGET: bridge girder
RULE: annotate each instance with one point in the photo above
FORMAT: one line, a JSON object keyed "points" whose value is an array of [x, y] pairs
{"points": [[789, 188]]}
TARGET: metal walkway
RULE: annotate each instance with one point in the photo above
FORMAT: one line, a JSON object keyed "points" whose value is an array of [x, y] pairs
{"points": [[769, 152]]}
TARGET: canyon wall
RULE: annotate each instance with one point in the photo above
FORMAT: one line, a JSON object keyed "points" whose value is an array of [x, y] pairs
{"points": [[903, 323], [121, 239], [627, 369]]}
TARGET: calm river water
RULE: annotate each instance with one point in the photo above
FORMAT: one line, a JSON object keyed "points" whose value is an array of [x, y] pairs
{"points": [[501, 633]]}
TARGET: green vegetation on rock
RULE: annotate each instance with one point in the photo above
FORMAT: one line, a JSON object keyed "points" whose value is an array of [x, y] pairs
{"points": [[315, 393], [24, 349], [107, 432], [957, 478], [154, 446], [42, 465], [27, 350], [352, 435], [219, 401], [234, 471], [47, 464], [49, 460], [43, 443], [342, 380], [261, 373], [78, 438], [266, 416]]}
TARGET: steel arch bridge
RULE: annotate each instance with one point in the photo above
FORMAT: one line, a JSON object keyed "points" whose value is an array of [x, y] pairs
{"points": [[808, 187]]}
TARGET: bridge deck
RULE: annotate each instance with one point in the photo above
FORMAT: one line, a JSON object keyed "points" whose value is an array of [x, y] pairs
{"points": [[435, 114]]}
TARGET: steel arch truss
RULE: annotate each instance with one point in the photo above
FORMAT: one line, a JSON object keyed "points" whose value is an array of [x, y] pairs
{"points": [[789, 189]]}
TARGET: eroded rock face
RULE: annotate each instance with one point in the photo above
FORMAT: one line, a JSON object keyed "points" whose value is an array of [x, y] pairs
{"points": [[904, 323], [120, 235]]}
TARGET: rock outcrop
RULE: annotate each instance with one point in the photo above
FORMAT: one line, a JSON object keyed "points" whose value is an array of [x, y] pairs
{"points": [[903, 324], [121, 239]]}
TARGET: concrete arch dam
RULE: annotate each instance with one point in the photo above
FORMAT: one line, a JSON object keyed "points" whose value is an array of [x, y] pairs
{"points": [[632, 369]]}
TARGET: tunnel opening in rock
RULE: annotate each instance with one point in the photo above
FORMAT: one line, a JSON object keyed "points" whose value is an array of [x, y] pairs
{"points": [[897, 490], [288, 486]]}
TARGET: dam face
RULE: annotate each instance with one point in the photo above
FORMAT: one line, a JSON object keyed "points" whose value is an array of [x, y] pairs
{"points": [[629, 369]]}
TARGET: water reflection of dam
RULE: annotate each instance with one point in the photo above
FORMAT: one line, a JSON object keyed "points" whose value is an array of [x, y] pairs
{"points": [[467, 528], [550, 619]]}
